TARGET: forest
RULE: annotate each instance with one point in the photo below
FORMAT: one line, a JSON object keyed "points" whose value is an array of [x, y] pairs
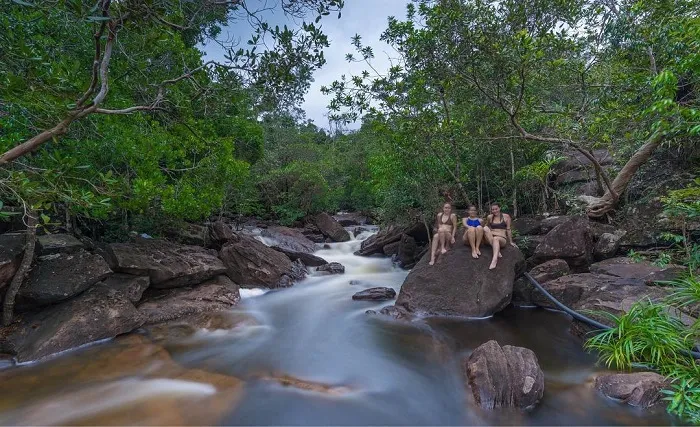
{"points": [[113, 120]]}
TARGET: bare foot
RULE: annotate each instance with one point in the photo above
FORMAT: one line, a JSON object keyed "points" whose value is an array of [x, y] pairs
{"points": [[432, 262], [474, 255], [500, 255], [478, 252], [443, 251], [493, 264]]}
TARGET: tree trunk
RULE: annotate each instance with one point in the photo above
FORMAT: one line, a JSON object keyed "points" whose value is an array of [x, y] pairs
{"points": [[22, 271], [600, 206], [515, 188]]}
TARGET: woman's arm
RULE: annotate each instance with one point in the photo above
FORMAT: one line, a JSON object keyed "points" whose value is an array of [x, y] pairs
{"points": [[508, 230], [454, 226]]}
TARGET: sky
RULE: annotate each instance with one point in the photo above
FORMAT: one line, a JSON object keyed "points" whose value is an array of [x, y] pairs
{"points": [[367, 18]]}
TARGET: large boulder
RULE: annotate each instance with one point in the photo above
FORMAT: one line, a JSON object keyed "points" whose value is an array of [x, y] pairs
{"points": [[220, 233], [309, 260], [169, 265], [504, 377], [289, 239], [98, 313], [375, 244], [11, 250], [375, 294], [407, 251], [60, 277], [570, 241], [607, 246], [460, 285], [641, 389], [164, 305], [331, 228], [349, 219], [550, 223], [644, 270], [571, 289], [131, 286], [250, 264], [527, 225], [49, 244], [528, 244], [189, 234]]}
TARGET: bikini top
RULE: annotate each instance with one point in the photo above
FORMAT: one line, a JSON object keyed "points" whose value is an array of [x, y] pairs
{"points": [[499, 225], [442, 221], [473, 222]]}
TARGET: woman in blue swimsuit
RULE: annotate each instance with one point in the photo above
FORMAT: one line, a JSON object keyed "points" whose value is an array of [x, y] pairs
{"points": [[474, 231]]}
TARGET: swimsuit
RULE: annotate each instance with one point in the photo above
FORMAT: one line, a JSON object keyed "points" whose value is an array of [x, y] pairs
{"points": [[499, 225], [445, 224], [473, 222]]}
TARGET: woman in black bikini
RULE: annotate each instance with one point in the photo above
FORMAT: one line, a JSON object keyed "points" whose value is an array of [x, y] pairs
{"points": [[445, 227], [497, 232]]}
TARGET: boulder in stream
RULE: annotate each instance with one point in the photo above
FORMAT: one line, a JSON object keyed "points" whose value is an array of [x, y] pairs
{"points": [[289, 239], [460, 285], [331, 268], [331, 228], [571, 241], [375, 294], [309, 260], [100, 312], [168, 264], [504, 377], [641, 389]]}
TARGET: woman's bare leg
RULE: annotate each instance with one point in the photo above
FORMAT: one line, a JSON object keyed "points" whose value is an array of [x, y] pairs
{"points": [[471, 233], [479, 236], [433, 248], [497, 243], [443, 241]]}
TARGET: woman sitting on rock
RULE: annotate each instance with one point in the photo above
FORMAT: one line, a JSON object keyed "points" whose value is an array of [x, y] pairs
{"points": [[474, 231], [445, 229], [497, 232]]}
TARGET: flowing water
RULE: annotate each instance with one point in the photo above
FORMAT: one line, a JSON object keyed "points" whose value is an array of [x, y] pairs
{"points": [[310, 355]]}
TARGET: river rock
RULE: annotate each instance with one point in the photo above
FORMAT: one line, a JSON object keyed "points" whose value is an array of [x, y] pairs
{"points": [[643, 270], [251, 264], [550, 270], [641, 389], [459, 285], [527, 225], [391, 249], [290, 239], [189, 234], [96, 314], [375, 294], [550, 223], [169, 265], [571, 289], [606, 246], [503, 377], [349, 219], [331, 228], [528, 244], [570, 241], [407, 251], [132, 286], [308, 259], [219, 234], [61, 277], [174, 331], [11, 250], [331, 268], [216, 294], [375, 243], [49, 244]]}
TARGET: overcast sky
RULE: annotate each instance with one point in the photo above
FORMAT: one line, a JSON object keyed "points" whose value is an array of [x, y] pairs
{"points": [[367, 18]]}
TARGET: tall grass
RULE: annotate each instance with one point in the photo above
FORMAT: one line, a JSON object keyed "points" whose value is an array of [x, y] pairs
{"points": [[649, 336]]}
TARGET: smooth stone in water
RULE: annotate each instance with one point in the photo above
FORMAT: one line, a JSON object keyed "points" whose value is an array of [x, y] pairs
{"points": [[375, 294]]}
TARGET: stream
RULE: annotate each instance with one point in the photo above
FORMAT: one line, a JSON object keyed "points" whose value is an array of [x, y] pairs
{"points": [[355, 369]]}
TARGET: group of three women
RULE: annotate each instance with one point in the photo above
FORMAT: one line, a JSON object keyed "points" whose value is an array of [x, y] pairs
{"points": [[496, 230]]}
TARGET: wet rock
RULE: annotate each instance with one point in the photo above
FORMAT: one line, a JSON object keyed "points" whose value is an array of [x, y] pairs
{"points": [[11, 250], [251, 264], [392, 234], [571, 289], [189, 234], [397, 312], [527, 225], [349, 219], [607, 246], [169, 265], [375, 294], [331, 268], [391, 249], [460, 285], [290, 239], [174, 331], [503, 377], [302, 384], [49, 244], [570, 241], [629, 269], [331, 228], [308, 259], [219, 234], [61, 277], [216, 294], [550, 270], [407, 250], [641, 389], [96, 314], [359, 230], [132, 286]]}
